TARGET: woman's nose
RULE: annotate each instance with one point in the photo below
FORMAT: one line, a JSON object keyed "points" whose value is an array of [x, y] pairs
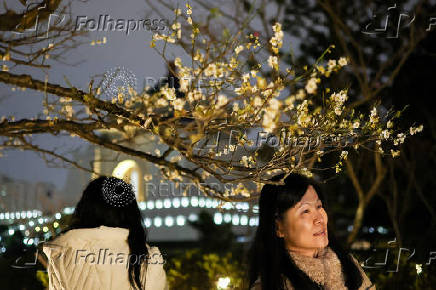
{"points": [[319, 218]]}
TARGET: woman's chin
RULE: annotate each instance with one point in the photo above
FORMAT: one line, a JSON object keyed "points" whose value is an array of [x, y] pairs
{"points": [[322, 243]]}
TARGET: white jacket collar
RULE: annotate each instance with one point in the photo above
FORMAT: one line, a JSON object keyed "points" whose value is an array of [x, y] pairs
{"points": [[101, 235]]}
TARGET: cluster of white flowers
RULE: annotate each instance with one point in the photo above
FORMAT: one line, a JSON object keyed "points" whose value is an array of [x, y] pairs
{"points": [[257, 102], [240, 190], [177, 27], [178, 104], [385, 134], [413, 130], [235, 107], [184, 84], [305, 171], [271, 113], [68, 111], [418, 268], [195, 95], [168, 93], [338, 100], [247, 161], [332, 65], [211, 70], [400, 139], [259, 96], [289, 102], [373, 118], [268, 91], [163, 37], [189, 13], [277, 40], [303, 116], [188, 9]]}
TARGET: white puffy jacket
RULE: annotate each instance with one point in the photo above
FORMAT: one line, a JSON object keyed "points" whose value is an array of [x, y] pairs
{"points": [[97, 258]]}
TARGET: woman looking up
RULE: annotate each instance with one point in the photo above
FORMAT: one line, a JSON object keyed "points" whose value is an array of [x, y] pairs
{"points": [[293, 247]]}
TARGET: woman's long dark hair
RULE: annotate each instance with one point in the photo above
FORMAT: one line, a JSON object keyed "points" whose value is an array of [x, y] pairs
{"points": [[93, 211], [269, 258]]}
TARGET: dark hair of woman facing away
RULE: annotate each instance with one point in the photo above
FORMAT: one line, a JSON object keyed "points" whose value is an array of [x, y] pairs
{"points": [[93, 211], [269, 258]]}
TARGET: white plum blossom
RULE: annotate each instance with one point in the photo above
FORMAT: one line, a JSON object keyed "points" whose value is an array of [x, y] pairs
{"points": [[385, 134], [222, 100], [395, 153], [413, 131], [331, 64], [344, 155], [356, 124], [342, 61], [168, 93], [178, 62], [373, 118], [184, 84], [178, 104], [274, 104], [311, 86], [277, 40], [195, 95], [273, 62], [338, 101], [162, 102], [239, 49], [389, 124], [257, 101]]}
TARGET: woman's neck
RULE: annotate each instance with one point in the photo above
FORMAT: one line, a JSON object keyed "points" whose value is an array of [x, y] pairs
{"points": [[313, 253]]}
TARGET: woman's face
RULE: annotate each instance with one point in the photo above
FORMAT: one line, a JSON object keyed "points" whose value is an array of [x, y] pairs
{"points": [[304, 226]]}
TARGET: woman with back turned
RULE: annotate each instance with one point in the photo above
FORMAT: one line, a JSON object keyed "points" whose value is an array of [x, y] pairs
{"points": [[293, 247], [105, 245]]}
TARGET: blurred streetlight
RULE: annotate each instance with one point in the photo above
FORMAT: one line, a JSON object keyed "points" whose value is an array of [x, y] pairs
{"points": [[223, 283]]}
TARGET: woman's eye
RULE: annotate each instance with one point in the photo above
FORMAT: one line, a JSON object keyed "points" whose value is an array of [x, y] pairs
{"points": [[306, 211], [320, 206]]}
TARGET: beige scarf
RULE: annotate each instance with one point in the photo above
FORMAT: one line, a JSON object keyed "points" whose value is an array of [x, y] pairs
{"points": [[326, 270]]}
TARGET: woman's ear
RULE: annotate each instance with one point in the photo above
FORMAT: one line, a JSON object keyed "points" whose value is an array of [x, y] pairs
{"points": [[279, 228]]}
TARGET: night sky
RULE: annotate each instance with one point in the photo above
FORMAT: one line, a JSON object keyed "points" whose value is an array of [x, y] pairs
{"points": [[130, 51]]}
